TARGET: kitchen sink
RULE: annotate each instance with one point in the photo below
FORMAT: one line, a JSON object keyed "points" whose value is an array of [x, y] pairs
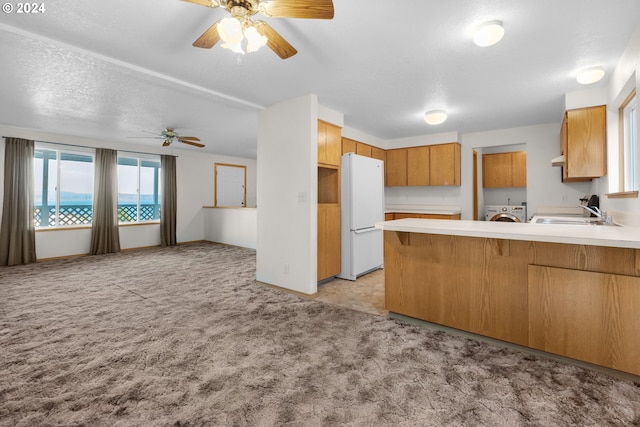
{"points": [[568, 220]]}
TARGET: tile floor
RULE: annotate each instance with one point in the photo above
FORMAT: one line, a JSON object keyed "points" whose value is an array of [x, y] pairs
{"points": [[365, 294]]}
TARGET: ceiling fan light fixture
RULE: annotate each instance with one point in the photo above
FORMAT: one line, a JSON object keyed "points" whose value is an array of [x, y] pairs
{"points": [[590, 75], [488, 33], [435, 117], [255, 40], [230, 30]]}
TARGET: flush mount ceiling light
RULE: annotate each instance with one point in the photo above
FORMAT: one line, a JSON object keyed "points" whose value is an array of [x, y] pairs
{"points": [[488, 33], [435, 117], [590, 75]]}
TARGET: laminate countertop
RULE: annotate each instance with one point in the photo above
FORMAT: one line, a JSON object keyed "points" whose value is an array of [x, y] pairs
{"points": [[594, 235], [423, 209]]}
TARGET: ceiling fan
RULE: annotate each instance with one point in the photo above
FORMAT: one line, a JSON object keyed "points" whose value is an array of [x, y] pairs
{"points": [[169, 135], [239, 26]]}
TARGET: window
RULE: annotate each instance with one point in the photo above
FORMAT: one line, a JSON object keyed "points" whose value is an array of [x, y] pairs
{"points": [[138, 189], [629, 144], [63, 193]]}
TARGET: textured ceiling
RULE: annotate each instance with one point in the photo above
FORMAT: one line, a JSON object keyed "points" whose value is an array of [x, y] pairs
{"points": [[118, 68]]}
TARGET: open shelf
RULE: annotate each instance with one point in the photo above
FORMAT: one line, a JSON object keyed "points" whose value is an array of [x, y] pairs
{"points": [[328, 185]]}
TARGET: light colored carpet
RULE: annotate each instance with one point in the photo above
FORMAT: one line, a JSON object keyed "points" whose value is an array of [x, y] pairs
{"points": [[184, 336]]}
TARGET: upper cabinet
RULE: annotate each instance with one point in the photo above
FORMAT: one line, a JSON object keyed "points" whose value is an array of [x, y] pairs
{"points": [[329, 143], [378, 153], [396, 168], [583, 140], [362, 149], [444, 164], [504, 170], [425, 165]]}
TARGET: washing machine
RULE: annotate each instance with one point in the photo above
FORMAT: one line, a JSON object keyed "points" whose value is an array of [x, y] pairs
{"points": [[506, 213]]}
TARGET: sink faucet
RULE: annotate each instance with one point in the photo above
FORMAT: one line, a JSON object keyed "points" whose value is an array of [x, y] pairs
{"points": [[602, 216]]}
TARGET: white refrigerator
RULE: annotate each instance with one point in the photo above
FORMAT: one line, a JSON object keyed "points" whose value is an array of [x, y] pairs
{"points": [[362, 205]]}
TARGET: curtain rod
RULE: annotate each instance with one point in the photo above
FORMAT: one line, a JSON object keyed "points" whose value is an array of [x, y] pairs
{"points": [[84, 146]]}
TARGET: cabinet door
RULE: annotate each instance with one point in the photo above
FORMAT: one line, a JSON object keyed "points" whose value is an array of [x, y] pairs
{"points": [[585, 155], [363, 149], [328, 241], [418, 166], [348, 146], [519, 168], [496, 170], [396, 167], [329, 143], [445, 164], [585, 315], [378, 153]]}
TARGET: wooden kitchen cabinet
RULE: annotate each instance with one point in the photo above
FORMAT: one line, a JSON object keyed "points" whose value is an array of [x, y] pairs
{"points": [[583, 143], [585, 315], [461, 282], [418, 171], [329, 153], [363, 149], [424, 165], [445, 164], [577, 301], [378, 153], [396, 167], [400, 215], [328, 240], [348, 145], [329, 143], [504, 170]]}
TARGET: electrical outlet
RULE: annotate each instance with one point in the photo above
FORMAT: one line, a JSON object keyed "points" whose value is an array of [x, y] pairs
{"points": [[564, 198], [285, 268]]}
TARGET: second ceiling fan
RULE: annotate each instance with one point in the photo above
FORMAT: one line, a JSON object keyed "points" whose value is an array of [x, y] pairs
{"points": [[240, 27]]}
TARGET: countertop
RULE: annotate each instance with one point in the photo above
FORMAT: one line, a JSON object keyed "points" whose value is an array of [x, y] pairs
{"points": [[424, 209], [595, 235]]}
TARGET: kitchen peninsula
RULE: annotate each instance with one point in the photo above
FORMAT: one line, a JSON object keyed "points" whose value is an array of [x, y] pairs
{"points": [[572, 290]]}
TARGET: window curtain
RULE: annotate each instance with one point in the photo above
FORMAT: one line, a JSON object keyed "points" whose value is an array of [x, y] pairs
{"points": [[18, 231], [169, 202], [105, 236]]}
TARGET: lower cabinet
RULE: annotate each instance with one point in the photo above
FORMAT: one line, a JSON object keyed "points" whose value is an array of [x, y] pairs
{"points": [[585, 315], [577, 301], [328, 240], [400, 215]]}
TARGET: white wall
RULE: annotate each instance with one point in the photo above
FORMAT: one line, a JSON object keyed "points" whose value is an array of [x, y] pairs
{"points": [[232, 226], [544, 182], [625, 76], [287, 195], [195, 172]]}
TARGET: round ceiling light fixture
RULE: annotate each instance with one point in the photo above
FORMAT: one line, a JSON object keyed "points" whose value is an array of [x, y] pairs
{"points": [[435, 117], [590, 75], [488, 33]]}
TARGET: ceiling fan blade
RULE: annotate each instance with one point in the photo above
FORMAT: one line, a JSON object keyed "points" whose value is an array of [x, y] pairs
{"points": [[209, 38], [275, 41], [191, 143], [207, 3], [192, 138], [166, 143], [314, 9]]}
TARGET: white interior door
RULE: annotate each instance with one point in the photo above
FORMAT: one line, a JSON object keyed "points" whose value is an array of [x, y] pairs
{"points": [[230, 185]]}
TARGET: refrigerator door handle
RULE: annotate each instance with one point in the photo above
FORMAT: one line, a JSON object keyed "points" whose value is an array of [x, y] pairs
{"points": [[364, 230]]}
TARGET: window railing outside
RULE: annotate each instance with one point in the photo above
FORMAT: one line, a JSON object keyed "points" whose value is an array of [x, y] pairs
{"points": [[45, 216]]}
